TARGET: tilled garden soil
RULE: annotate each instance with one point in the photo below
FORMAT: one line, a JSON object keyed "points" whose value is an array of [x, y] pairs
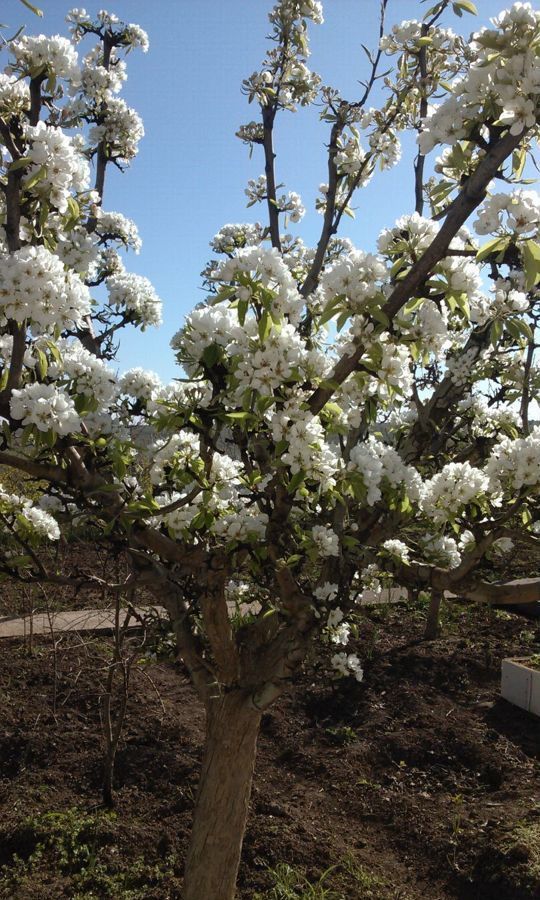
{"points": [[418, 782]]}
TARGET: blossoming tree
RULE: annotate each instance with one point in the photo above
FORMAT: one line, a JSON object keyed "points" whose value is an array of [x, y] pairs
{"points": [[341, 414]]}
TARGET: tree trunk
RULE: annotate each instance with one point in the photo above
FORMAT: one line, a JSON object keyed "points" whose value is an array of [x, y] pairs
{"points": [[221, 809], [433, 616]]}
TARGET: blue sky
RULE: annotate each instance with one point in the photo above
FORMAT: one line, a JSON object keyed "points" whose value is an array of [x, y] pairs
{"points": [[190, 175]]}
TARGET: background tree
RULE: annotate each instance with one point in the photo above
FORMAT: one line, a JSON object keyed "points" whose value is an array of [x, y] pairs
{"points": [[342, 414]]}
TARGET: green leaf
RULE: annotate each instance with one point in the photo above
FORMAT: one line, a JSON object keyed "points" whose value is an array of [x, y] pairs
{"points": [[530, 252], [42, 364], [330, 310], [398, 265], [33, 179], [296, 481], [44, 211], [32, 8], [497, 244], [199, 521], [20, 163], [495, 332], [211, 355], [463, 304], [464, 5], [342, 319], [519, 158], [380, 316], [292, 560], [242, 311], [239, 416], [265, 326]]}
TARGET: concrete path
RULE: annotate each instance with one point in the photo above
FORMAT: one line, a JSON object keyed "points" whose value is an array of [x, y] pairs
{"points": [[102, 620], [96, 620]]}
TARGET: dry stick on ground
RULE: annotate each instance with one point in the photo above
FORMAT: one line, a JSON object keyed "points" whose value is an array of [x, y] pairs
{"points": [[112, 725], [433, 616]]}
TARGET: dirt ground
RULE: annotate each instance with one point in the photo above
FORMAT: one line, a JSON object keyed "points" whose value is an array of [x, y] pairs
{"points": [[418, 782]]}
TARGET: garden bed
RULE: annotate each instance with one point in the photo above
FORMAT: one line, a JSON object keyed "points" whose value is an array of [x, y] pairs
{"points": [[418, 782]]}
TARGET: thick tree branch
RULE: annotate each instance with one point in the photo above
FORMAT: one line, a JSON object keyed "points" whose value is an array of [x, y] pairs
{"points": [[472, 194]]}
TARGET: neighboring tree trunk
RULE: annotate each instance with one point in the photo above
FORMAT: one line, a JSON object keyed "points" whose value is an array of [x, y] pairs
{"points": [[433, 616], [221, 809]]}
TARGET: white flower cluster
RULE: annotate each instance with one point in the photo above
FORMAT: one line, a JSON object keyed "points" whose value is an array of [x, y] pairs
{"points": [[267, 268], [347, 665], [326, 592], [387, 148], [14, 95], [394, 370], [503, 300], [326, 540], [26, 519], [269, 364], [244, 523], [396, 548], [407, 34], [441, 550], [77, 249], [291, 204], [140, 383], [411, 234], [132, 35], [515, 463], [135, 36], [120, 128], [86, 373], [224, 511], [169, 454], [57, 159], [461, 367], [338, 631], [256, 190], [54, 55], [517, 213], [428, 326], [206, 326], [349, 159], [34, 285], [98, 83], [232, 237], [503, 78], [446, 494], [289, 10], [483, 420], [308, 450], [135, 296], [299, 85], [114, 225], [46, 407], [358, 277], [378, 463]]}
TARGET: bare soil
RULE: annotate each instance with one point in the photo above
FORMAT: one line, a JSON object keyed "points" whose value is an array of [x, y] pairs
{"points": [[419, 782]]}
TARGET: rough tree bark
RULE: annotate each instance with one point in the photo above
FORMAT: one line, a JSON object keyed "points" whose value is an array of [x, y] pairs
{"points": [[221, 809]]}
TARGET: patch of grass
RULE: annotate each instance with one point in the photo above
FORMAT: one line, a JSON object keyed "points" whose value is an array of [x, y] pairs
{"points": [[342, 735], [345, 880], [79, 848], [523, 846], [291, 883]]}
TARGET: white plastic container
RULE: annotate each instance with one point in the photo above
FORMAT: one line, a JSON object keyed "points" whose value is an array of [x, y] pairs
{"points": [[520, 684]]}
